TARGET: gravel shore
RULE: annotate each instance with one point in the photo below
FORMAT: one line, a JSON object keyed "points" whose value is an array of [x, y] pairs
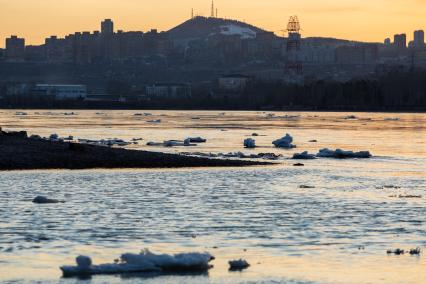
{"points": [[17, 152]]}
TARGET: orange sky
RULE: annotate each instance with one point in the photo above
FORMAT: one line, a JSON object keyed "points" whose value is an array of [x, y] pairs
{"points": [[367, 20]]}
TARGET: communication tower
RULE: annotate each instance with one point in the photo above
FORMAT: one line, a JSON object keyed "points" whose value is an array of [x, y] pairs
{"points": [[294, 65]]}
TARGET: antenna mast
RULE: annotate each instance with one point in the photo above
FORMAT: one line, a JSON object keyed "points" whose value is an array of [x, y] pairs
{"points": [[212, 11]]}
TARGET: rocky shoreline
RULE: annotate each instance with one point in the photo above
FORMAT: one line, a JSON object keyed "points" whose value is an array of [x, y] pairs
{"points": [[18, 152]]}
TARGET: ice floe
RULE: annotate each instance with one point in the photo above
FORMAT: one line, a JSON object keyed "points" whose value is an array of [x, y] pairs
{"points": [[342, 154], [143, 262], [304, 156], [197, 140], [239, 155], [106, 142], [284, 142], [350, 117], [392, 119], [249, 143]]}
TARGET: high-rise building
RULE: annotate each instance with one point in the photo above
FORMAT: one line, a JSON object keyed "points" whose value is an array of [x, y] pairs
{"points": [[15, 48], [419, 38], [107, 27], [400, 41], [387, 41]]}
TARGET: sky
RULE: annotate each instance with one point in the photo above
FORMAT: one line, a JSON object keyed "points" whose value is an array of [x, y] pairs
{"points": [[365, 20]]}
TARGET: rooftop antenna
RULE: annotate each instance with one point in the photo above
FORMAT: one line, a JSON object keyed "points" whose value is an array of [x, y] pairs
{"points": [[192, 13], [212, 11], [216, 12]]}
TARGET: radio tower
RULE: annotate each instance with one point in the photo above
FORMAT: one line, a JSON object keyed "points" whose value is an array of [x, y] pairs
{"points": [[212, 11], [293, 64]]}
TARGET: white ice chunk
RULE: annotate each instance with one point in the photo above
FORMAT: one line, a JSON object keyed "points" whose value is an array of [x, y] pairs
{"points": [[249, 143], [143, 262], [284, 142], [342, 154]]}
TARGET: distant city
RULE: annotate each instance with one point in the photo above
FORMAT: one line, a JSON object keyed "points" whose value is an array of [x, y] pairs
{"points": [[218, 56]]}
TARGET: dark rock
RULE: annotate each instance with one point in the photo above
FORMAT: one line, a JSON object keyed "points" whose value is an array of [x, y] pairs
{"points": [[17, 134], [238, 265], [77, 147], [306, 186], [416, 251], [45, 200], [396, 252]]}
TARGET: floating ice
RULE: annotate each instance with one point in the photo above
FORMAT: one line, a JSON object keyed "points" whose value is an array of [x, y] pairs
{"points": [[350, 117], [172, 143], [341, 154], [143, 262], [304, 156], [106, 142], [284, 142], [240, 264], [392, 119], [197, 140], [240, 155], [249, 143]]}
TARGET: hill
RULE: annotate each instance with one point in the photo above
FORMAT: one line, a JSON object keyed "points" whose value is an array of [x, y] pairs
{"points": [[202, 28]]}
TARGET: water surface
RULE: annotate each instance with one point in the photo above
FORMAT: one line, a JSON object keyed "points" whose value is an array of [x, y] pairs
{"points": [[337, 232]]}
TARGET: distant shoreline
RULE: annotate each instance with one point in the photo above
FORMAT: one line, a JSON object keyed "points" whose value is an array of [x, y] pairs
{"points": [[295, 109], [21, 153]]}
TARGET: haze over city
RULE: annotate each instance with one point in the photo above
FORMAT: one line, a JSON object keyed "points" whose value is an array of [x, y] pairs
{"points": [[349, 19]]}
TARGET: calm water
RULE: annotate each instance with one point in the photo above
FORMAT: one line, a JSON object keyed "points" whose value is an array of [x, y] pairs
{"points": [[337, 232]]}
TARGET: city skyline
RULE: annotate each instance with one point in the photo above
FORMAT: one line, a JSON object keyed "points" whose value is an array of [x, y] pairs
{"points": [[354, 20]]}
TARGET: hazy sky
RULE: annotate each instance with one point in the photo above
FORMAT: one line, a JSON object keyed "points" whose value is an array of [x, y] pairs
{"points": [[368, 20]]}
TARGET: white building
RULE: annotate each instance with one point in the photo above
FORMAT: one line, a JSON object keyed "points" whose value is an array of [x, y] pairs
{"points": [[61, 92]]}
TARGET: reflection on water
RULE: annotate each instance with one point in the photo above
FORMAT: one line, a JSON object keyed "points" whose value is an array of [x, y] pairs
{"points": [[337, 232]]}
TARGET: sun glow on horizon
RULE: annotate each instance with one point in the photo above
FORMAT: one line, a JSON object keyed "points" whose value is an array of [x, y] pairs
{"points": [[350, 19]]}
